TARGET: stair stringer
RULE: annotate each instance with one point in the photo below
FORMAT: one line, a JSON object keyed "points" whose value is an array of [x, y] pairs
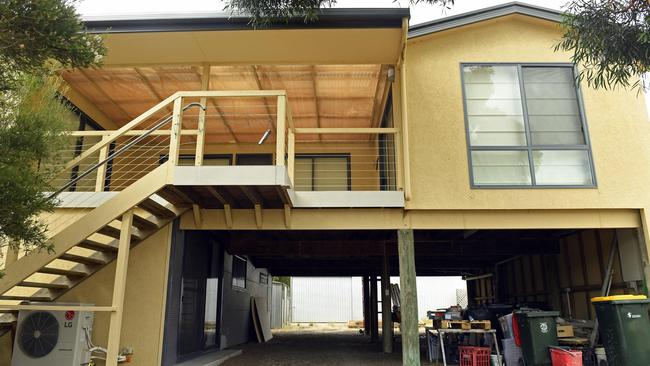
{"points": [[85, 226]]}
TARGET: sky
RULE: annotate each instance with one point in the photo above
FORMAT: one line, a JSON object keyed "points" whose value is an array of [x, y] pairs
{"points": [[419, 13]]}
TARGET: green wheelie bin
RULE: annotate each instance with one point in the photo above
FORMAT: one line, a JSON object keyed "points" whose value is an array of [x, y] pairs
{"points": [[537, 331], [624, 329]]}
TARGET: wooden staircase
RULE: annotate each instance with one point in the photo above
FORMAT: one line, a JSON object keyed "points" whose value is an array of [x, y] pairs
{"points": [[90, 243]]}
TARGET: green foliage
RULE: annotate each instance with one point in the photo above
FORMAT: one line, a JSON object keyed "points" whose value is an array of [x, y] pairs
{"points": [[37, 38], [610, 40], [36, 33], [32, 131], [283, 279], [263, 12]]}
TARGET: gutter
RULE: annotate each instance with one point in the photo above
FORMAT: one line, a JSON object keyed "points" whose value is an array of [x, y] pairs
{"points": [[215, 21]]}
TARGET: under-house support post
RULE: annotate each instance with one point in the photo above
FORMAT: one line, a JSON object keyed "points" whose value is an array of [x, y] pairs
{"points": [[366, 305], [386, 315], [408, 298], [374, 311], [115, 325]]}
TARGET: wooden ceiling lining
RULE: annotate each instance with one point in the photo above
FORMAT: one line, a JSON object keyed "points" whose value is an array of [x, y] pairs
{"points": [[320, 95]]}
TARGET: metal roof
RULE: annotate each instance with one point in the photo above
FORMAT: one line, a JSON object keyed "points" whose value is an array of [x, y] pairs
{"points": [[484, 14], [205, 21]]}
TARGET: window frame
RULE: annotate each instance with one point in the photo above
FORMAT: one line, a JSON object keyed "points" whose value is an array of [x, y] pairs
{"points": [[529, 147], [244, 260], [165, 157]]}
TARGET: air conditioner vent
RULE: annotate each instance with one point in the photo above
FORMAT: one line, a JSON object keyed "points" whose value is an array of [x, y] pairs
{"points": [[38, 334]]}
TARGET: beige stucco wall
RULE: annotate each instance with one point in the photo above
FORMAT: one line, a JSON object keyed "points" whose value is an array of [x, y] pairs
{"points": [[617, 123], [5, 349], [144, 300]]}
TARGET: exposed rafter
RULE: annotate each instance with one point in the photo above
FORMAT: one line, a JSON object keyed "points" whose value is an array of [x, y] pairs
{"points": [[103, 93], [258, 82], [220, 112]]}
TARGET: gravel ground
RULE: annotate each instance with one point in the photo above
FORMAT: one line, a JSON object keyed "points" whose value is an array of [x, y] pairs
{"points": [[316, 345]]}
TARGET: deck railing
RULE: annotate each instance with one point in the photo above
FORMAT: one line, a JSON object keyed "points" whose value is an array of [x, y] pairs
{"points": [[209, 127]]}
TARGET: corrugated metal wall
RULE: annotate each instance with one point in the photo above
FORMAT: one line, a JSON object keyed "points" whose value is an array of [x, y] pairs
{"points": [[322, 299], [340, 299]]}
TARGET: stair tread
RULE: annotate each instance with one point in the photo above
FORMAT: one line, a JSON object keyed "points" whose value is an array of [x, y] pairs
{"points": [[156, 209], [143, 224], [54, 286], [97, 246], [114, 232], [62, 272], [82, 259], [26, 298]]}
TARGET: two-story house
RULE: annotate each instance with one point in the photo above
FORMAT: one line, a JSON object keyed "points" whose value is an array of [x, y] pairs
{"points": [[211, 156]]}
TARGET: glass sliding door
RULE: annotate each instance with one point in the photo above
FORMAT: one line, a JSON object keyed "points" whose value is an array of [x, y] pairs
{"points": [[198, 329]]}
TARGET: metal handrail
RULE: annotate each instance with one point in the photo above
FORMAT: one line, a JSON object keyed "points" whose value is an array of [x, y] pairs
{"points": [[121, 150]]}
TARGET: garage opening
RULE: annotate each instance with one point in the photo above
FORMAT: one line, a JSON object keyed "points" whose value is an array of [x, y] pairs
{"points": [[316, 286]]}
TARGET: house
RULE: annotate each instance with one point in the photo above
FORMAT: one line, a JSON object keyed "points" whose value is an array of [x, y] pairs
{"points": [[349, 146]]}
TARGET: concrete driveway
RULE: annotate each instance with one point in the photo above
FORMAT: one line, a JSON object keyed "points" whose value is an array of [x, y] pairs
{"points": [[316, 346]]}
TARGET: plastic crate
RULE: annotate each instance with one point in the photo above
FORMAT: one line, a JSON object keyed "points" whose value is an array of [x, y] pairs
{"points": [[474, 356]]}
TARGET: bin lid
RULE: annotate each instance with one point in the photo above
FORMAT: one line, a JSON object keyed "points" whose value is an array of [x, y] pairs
{"points": [[538, 314], [618, 298]]}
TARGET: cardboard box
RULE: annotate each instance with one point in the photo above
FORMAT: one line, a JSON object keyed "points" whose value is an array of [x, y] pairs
{"points": [[564, 331]]}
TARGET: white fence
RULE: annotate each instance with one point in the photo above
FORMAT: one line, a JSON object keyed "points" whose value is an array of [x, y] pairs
{"points": [[339, 299]]}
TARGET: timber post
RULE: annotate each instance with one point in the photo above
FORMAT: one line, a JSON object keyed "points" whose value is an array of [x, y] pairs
{"points": [[374, 311], [366, 305], [119, 289], [386, 310], [408, 298]]}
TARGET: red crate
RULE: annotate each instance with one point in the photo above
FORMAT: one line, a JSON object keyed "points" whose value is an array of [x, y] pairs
{"points": [[474, 356]]}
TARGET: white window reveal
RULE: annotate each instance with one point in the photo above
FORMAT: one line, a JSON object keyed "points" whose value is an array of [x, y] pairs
{"points": [[525, 127]]}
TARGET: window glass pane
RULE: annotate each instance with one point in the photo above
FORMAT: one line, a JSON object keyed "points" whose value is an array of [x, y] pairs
{"points": [[493, 106], [186, 160], [239, 272], [501, 168], [553, 112], [562, 167], [330, 174], [303, 174], [220, 161]]}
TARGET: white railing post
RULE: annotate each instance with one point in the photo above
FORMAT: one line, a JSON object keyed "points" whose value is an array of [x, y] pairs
{"points": [[280, 144], [101, 170], [291, 157], [175, 137], [200, 136]]}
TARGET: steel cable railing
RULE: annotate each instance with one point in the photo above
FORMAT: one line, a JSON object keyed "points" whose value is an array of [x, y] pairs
{"points": [[121, 150], [131, 158]]}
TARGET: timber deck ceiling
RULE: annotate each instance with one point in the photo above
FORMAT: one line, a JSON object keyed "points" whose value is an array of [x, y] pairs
{"points": [[356, 253]]}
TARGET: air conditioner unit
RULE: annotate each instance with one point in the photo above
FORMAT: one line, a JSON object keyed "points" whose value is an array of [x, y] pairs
{"points": [[52, 338]]}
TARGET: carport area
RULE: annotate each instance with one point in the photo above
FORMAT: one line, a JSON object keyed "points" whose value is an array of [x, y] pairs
{"points": [[555, 269], [315, 346]]}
